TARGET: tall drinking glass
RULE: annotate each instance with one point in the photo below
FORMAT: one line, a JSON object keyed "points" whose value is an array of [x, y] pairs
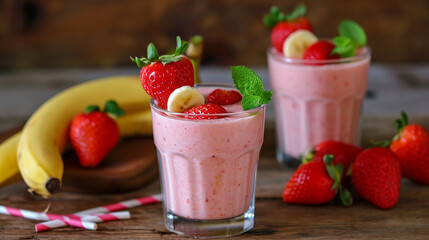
{"points": [[208, 168], [316, 100]]}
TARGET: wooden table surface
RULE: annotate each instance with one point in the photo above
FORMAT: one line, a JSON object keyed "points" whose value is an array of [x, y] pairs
{"points": [[392, 88], [273, 218]]}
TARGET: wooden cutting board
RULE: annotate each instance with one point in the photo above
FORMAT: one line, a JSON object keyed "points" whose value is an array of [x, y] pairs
{"points": [[129, 166]]}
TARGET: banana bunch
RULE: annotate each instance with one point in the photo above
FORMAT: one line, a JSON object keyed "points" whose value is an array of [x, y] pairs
{"points": [[36, 150]]}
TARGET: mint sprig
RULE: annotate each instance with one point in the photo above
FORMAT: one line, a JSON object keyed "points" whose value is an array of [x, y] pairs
{"points": [[153, 56], [275, 16], [351, 36], [250, 86]]}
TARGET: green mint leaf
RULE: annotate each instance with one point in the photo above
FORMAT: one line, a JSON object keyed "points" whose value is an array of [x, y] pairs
{"points": [[152, 53], [250, 86], [353, 31], [299, 11], [344, 47], [251, 101], [247, 81], [266, 97], [113, 108]]}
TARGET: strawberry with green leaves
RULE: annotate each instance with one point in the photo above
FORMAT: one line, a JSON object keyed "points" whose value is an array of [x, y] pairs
{"points": [[344, 153], [411, 146], [377, 177], [317, 182], [161, 75], [283, 25], [94, 134]]}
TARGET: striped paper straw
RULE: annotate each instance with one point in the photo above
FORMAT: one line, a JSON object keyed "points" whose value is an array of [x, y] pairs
{"points": [[22, 213], [70, 221], [104, 217], [157, 198]]}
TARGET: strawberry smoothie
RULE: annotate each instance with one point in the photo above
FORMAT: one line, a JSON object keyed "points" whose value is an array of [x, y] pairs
{"points": [[208, 167], [316, 102]]}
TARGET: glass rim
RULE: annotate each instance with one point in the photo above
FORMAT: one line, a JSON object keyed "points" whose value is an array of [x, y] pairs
{"points": [[279, 57], [219, 115]]}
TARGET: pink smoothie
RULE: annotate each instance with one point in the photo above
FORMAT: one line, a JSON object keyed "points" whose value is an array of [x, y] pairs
{"points": [[209, 166], [314, 103]]}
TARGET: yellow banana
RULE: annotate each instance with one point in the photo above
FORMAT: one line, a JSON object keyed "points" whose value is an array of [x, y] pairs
{"points": [[9, 172], [134, 123], [45, 134]]}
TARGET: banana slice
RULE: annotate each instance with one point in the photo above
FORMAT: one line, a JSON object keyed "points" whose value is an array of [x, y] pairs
{"points": [[184, 98], [295, 45]]}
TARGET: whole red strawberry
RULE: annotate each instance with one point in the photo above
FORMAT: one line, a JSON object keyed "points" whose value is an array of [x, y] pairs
{"points": [[161, 75], [224, 97], [93, 134], [377, 177], [316, 182], [411, 146], [204, 111], [344, 153], [320, 50], [283, 25]]}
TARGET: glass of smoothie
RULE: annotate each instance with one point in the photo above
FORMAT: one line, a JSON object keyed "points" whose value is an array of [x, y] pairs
{"points": [[208, 168], [316, 100]]}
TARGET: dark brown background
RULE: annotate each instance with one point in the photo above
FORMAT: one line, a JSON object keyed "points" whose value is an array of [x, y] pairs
{"points": [[103, 33]]}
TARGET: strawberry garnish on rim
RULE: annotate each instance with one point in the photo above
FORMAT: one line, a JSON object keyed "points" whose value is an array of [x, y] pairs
{"points": [[321, 50], [224, 97], [161, 75], [283, 25], [205, 111]]}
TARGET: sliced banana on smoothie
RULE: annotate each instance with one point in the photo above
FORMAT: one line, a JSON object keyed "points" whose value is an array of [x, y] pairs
{"points": [[184, 98], [295, 45]]}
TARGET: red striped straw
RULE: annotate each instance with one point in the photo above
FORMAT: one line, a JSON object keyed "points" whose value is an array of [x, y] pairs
{"points": [[22, 213], [104, 217], [157, 198]]}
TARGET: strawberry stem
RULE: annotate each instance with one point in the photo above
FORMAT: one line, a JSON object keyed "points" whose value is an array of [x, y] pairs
{"points": [[152, 53], [92, 108], [113, 108], [275, 16], [400, 123], [334, 171], [345, 196], [153, 56], [308, 157]]}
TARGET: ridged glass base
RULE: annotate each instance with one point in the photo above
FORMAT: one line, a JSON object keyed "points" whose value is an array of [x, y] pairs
{"points": [[209, 228]]}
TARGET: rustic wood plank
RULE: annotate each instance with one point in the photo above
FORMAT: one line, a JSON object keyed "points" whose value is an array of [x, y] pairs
{"points": [[274, 219]]}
